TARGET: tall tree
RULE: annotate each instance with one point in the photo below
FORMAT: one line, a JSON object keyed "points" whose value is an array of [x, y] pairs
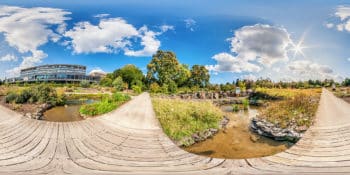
{"points": [[199, 76], [130, 74], [163, 68]]}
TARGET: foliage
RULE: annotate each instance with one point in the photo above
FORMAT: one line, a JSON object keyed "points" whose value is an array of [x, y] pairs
{"points": [[130, 74], [11, 97], [245, 103], [37, 94], [154, 87], [136, 89], [172, 87], [346, 82], [163, 68], [107, 104], [181, 118], [199, 76], [85, 84], [118, 83], [235, 107], [106, 81]]}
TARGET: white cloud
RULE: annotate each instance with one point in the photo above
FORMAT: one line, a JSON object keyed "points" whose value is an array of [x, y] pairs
{"points": [[305, 70], [165, 28], [343, 13], [9, 57], [253, 47], [112, 35], [264, 43], [102, 15], [348, 59], [229, 63], [329, 25], [148, 41], [190, 24], [26, 29], [108, 36]]}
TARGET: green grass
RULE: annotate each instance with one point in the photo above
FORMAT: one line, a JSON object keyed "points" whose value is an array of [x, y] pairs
{"points": [[107, 104], [182, 118], [297, 108]]}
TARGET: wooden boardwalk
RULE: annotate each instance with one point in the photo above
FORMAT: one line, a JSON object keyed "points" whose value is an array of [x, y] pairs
{"points": [[130, 141]]}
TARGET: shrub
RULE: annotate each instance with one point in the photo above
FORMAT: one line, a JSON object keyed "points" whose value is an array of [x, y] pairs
{"points": [[85, 84], [136, 89], [172, 88], [245, 103], [11, 97], [154, 88], [118, 84], [41, 93], [235, 107]]}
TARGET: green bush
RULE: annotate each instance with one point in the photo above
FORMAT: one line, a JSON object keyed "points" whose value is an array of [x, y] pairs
{"points": [[172, 88], [154, 88], [118, 84], [235, 107], [245, 103], [107, 104], [85, 84], [136, 89], [11, 97], [41, 94]]}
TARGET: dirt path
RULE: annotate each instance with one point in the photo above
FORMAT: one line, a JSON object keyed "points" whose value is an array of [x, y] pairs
{"points": [[130, 141]]}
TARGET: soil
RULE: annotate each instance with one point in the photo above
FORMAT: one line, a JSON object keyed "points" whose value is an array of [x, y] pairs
{"points": [[21, 108]]}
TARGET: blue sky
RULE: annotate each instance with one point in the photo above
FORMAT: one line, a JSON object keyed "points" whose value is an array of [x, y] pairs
{"points": [[281, 40]]}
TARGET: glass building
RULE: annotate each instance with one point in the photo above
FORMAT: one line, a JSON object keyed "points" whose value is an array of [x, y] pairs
{"points": [[56, 73]]}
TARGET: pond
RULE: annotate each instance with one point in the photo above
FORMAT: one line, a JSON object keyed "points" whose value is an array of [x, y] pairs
{"points": [[237, 141], [67, 113]]}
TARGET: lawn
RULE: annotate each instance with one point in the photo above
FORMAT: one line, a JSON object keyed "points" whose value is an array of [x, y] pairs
{"points": [[182, 118]]}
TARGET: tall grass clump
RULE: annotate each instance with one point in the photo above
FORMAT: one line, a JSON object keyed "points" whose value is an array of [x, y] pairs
{"points": [[107, 104], [181, 118]]}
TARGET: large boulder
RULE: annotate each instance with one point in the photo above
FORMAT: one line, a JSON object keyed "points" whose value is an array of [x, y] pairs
{"points": [[267, 129]]}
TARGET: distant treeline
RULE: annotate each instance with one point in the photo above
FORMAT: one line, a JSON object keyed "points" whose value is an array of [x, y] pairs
{"points": [[165, 74]]}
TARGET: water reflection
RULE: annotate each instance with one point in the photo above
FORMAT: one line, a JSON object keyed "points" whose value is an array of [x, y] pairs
{"points": [[67, 113], [237, 141]]}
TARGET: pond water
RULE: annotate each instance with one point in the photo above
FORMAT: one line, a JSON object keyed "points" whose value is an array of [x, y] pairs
{"points": [[67, 113], [237, 141]]}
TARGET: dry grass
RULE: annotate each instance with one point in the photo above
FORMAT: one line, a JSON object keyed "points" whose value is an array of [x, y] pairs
{"points": [[297, 108], [181, 118]]}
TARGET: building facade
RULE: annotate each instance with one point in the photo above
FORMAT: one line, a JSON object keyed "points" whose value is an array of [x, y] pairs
{"points": [[55, 73]]}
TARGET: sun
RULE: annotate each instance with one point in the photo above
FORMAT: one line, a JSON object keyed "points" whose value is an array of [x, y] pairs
{"points": [[299, 47]]}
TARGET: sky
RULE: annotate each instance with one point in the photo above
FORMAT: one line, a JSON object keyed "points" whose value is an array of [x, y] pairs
{"points": [[246, 39]]}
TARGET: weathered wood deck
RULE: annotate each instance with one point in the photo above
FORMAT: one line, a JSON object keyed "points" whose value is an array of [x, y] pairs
{"points": [[130, 141]]}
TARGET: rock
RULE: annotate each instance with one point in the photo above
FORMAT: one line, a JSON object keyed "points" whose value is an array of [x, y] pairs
{"points": [[212, 130], [267, 129], [224, 122]]}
